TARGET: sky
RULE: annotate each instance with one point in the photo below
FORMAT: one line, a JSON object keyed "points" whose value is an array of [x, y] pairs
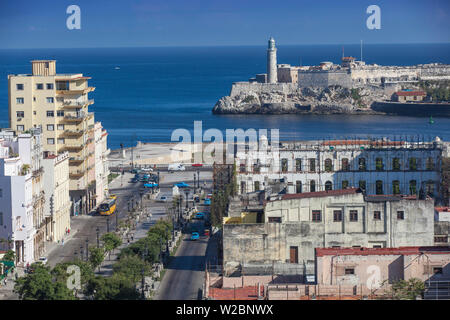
{"points": [[146, 23]]}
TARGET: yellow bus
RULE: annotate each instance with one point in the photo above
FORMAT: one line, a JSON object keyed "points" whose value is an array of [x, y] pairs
{"points": [[108, 207]]}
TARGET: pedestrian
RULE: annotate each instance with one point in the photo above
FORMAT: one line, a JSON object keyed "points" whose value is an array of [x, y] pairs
{"points": [[62, 241], [128, 240], [68, 231], [16, 276], [132, 237]]}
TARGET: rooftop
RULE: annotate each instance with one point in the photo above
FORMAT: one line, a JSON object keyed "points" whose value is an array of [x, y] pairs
{"points": [[320, 252], [410, 93], [442, 209], [319, 194]]}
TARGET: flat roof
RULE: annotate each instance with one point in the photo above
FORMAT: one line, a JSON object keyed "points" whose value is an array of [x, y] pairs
{"points": [[319, 194], [320, 252]]}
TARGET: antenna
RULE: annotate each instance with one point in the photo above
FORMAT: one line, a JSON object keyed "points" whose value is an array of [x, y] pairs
{"points": [[361, 51]]}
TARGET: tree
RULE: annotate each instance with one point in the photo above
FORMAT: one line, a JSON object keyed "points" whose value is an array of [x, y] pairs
{"points": [[131, 266], [96, 256], [9, 256], [407, 290], [117, 287], [111, 241], [40, 285], [59, 272]]}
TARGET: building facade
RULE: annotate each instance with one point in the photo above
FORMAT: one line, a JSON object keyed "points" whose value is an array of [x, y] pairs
{"points": [[57, 198], [101, 162], [58, 104], [378, 167]]}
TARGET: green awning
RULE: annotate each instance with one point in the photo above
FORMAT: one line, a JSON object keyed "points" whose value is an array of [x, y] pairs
{"points": [[7, 263]]}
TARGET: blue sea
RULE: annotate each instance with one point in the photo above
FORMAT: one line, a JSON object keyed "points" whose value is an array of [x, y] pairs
{"points": [[157, 90]]}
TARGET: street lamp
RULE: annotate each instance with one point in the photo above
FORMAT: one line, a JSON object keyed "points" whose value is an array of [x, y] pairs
{"points": [[87, 249], [141, 193], [98, 240], [187, 196], [117, 220], [81, 252], [107, 224], [195, 185], [198, 178], [129, 205]]}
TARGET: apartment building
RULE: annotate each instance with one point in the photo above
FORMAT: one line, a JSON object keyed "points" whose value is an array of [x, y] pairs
{"points": [[376, 166], [58, 104], [57, 199], [101, 162]]}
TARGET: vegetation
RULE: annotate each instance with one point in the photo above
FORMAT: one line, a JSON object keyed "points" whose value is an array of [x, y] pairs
{"points": [[111, 241], [407, 290], [96, 256], [112, 176], [437, 90], [248, 99], [357, 97], [9, 256], [220, 200]]}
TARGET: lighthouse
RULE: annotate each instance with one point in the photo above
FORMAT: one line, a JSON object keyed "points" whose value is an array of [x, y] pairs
{"points": [[272, 62]]}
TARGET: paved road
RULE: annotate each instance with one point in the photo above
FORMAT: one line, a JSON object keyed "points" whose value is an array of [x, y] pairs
{"points": [[184, 277]]}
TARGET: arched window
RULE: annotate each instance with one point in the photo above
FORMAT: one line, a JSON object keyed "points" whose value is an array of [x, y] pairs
{"points": [[312, 186], [379, 187], [345, 164], [412, 187], [379, 164], [413, 164], [430, 187], [396, 164], [298, 187], [396, 187], [328, 165], [328, 186], [430, 163], [362, 164]]}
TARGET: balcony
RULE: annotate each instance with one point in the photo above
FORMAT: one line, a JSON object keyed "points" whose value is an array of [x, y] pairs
{"points": [[79, 116], [76, 160], [73, 133], [68, 91], [77, 104], [77, 173]]}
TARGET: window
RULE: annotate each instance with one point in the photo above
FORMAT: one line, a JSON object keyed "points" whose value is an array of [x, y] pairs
{"points": [[353, 215], [379, 164], [19, 86], [328, 165], [50, 127], [377, 215], [20, 100], [437, 270], [396, 164], [60, 113], [243, 187], [379, 187], [62, 140], [328, 186], [413, 164], [430, 164], [50, 141], [396, 187], [50, 114], [298, 187], [298, 164], [39, 86], [316, 216], [349, 271], [441, 239], [430, 187], [275, 219], [345, 164], [50, 100], [256, 182], [377, 246], [242, 167], [362, 164], [49, 86], [312, 165], [362, 184], [345, 184], [412, 187], [312, 186], [284, 165], [20, 128], [20, 114], [400, 215], [60, 127], [337, 215]]}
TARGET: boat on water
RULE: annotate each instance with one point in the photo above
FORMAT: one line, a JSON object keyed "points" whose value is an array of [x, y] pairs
{"points": [[117, 68]]}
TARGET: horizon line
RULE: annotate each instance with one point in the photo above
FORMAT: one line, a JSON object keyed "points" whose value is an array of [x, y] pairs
{"points": [[231, 45]]}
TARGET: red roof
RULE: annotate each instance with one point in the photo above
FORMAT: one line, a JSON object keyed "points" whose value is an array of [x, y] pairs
{"points": [[348, 58], [442, 209], [320, 252], [318, 194], [411, 93]]}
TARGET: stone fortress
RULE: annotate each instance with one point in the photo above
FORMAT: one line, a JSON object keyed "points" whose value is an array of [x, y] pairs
{"points": [[325, 88]]}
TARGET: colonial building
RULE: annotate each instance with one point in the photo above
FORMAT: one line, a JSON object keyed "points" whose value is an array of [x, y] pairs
{"points": [[376, 166], [101, 162], [409, 96], [285, 229]]}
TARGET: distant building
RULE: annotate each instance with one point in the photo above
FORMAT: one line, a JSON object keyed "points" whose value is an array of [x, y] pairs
{"points": [[346, 62], [285, 229], [272, 62], [407, 96], [442, 214], [287, 73]]}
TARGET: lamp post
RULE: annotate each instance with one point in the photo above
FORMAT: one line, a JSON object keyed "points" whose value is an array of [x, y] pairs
{"points": [[129, 205], [75, 253], [81, 253], [187, 196], [195, 184], [167, 240], [107, 224], [198, 178], [117, 220], [98, 240], [87, 249], [141, 193], [158, 177]]}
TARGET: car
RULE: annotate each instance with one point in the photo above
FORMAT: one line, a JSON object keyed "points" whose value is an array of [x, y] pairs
{"points": [[113, 196], [134, 180], [163, 199], [195, 235], [207, 202], [181, 185], [147, 170], [197, 199], [197, 165], [209, 196], [135, 170], [176, 167], [43, 260], [150, 185], [199, 215]]}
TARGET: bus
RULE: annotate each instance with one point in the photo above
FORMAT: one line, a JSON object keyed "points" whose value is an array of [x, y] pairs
{"points": [[108, 207]]}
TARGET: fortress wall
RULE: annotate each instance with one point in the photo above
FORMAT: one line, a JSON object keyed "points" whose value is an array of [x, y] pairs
{"points": [[323, 79], [247, 87]]}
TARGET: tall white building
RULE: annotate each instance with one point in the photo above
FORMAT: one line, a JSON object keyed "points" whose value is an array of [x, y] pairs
{"points": [[101, 164], [16, 205], [272, 76]]}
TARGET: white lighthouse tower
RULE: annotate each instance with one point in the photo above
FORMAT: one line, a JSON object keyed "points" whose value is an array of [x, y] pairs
{"points": [[272, 62]]}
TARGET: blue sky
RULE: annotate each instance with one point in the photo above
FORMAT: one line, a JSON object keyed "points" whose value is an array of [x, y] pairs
{"points": [[42, 24]]}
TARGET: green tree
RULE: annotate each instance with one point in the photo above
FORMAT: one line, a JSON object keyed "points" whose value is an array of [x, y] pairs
{"points": [[117, 287], [59, 272], [9, 256], [407, 290], [96, 256], [40, 285], [131, 266], [111, 241]]}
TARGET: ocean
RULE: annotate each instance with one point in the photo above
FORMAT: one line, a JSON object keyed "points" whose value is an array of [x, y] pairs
{"points": [[157, 90]]}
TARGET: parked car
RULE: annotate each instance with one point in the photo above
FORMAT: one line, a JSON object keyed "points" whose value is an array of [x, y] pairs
{"points": [[207, 202], [197, 165], [134, 180], [199, 215], [176, 167], [147, 170], [195, 235], [43, 260], [163, 199]]}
